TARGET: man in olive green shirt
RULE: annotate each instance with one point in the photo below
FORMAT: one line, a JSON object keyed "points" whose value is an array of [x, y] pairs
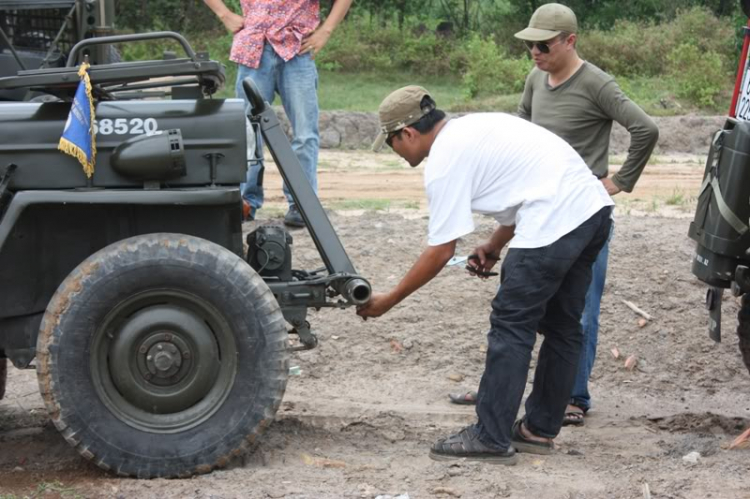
{"points": [[578, 102]]}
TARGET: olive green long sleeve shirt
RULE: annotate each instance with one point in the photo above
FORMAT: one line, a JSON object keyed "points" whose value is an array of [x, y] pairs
{"points": [[581, 111]]}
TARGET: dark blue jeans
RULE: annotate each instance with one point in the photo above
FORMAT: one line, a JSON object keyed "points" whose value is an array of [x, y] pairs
{"points": [[590, 323], [542, 289]]}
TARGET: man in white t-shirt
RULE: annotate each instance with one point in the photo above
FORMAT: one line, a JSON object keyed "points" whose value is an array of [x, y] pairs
{"points": [[556, 216]]}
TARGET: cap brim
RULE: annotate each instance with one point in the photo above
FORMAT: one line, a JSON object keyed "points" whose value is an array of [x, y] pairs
{"points": [[536, 35], [379, 141]]}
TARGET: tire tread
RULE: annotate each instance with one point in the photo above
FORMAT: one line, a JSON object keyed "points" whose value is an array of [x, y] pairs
{"points": [[229, 265]]}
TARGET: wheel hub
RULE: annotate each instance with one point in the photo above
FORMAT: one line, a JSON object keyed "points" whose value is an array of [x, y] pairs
{"points": [[164, 359]]}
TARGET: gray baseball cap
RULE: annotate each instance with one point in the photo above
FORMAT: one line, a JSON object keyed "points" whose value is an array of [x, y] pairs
{"points": [[548, 21], [400, 109]]}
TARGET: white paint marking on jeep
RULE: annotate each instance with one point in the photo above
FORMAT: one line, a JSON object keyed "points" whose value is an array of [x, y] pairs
{"points": [[701, 259], [123, 126]]}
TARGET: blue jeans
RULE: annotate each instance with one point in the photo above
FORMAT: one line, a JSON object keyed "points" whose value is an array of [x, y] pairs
{"points": [[590, 323], [296, 82], [543, 289]]}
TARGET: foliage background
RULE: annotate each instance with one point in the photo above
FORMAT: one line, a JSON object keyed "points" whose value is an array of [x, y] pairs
{"points": [[670, 56]]}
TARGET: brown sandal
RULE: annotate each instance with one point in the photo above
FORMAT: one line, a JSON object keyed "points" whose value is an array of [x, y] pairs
{"points": [[526, 445], [466, 445], [574, 417]]}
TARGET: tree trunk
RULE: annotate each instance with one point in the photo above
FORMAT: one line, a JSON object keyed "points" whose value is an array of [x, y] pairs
{"points": [[466, 16]]}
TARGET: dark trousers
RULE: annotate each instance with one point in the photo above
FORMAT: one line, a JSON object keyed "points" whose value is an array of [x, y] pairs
{"points": [[542, 289]]}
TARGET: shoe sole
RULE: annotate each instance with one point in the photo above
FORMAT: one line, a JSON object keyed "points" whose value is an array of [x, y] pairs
{"points": [[579, 422], [527, 448], [506, 461], [297, 225]]}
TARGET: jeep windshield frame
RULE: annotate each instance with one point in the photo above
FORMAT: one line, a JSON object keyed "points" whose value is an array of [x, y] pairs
{"points": [[35, 4], [117, 77]]}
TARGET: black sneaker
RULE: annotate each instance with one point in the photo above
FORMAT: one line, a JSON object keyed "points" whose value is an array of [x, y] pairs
{"points": [[293, 217]]}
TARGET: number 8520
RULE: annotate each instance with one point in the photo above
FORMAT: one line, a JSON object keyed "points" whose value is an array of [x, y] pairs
{"points": [[124, 126]]}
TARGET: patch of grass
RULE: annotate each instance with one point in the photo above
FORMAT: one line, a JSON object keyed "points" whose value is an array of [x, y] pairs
{"points": [[267, 211], [394, 164], [657, 159], [658, 96], [677, 198], [361, 204], [493, 103], [623, 204], [46, 488], [325, 164], [365, 91], [411, 205], [653, 207]]}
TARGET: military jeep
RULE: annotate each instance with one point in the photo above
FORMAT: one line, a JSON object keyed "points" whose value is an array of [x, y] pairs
{"points": [[161, 345]]}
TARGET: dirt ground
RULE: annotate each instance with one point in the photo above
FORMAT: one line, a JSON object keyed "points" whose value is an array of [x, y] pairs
{"points": [[359, 419]]}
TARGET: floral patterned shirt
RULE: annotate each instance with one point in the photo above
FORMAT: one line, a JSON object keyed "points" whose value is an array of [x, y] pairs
{"points": [[282, 22]]}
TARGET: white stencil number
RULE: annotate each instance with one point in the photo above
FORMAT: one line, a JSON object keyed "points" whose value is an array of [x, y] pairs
{"points": [[123, 126]]}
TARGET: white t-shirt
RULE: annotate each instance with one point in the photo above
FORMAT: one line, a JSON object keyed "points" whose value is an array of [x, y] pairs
{"points": [[517, 172]]}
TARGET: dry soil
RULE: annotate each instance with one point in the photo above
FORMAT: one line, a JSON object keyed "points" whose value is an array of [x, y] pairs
{"points": [[359, 419]]}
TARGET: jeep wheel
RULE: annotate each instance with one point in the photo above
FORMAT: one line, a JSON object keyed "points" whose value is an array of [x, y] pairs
{"points": [[743, 330], [162, 355]]}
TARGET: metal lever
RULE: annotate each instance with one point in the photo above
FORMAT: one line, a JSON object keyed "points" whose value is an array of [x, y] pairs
{"points": [[257, 104]]}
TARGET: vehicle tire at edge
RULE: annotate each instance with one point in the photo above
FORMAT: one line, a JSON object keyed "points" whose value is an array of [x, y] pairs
{"points": [[131, 303], [743, 330], [3, 376]]}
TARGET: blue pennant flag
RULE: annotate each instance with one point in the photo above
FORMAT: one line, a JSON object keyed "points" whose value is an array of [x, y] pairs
{"points": [[78, 137]]}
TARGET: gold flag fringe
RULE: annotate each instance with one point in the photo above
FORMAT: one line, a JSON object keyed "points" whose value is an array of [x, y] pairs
{"points": [[68, 147]]}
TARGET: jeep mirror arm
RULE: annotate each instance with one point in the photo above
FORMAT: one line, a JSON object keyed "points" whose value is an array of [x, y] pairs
{"points": [[257, 104], [73, 58]]}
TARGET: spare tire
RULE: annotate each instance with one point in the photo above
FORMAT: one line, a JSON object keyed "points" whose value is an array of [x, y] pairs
{"points": [[162, 355]]}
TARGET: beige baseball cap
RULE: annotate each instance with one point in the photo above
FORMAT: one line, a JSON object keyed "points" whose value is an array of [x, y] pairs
{"points": [[548, 21], [400, 109]]}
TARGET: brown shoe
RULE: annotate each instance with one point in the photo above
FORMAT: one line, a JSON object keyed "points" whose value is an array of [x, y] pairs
{"points": [[248, 214]]}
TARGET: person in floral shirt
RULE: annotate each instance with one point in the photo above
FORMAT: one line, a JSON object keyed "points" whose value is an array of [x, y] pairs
{"points": [[275, 43]]}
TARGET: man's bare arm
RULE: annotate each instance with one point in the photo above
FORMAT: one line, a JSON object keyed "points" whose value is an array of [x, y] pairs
{"points": [[232, 21], [428, 265], [318, 39]]}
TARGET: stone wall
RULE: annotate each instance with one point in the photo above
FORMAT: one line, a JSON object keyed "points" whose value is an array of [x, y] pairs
{"points": [[688, 134]]}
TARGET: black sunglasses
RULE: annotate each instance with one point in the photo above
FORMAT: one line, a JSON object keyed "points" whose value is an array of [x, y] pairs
{"points": [[389, 138], [542, 46]]}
